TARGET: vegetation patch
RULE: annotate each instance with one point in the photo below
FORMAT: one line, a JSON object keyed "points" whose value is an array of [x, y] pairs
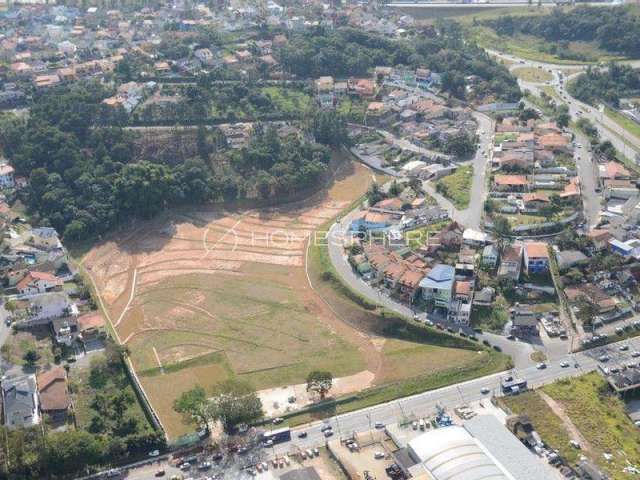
{"points": [[457, 186], [533, 75]]}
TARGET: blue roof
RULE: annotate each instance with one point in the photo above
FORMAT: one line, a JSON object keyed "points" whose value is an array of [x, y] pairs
{"points": [[440, 277], [442, 273]]}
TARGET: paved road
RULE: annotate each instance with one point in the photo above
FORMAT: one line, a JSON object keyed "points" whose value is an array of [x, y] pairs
{"points": [[471, 217], [609, 130], [424, 404], [520, 352]]}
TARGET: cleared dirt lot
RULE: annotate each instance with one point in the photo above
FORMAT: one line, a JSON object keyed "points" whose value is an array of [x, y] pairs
{"points": [[202, 295]]}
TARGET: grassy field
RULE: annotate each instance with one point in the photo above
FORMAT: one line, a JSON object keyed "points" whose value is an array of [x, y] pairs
{"points": [[629, 125], [457, 186], [598, 415], [288, 100], [547, 423], [534, 75], [19, 343]]}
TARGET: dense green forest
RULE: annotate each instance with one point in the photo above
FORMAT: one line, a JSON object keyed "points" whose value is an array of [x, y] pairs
{"points": [[614, 29], [84, 179], [116, 431], [594, 86], [349, 52]]}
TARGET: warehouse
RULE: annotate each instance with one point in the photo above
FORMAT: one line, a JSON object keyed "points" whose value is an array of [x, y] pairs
{"points": [[482, 448]]}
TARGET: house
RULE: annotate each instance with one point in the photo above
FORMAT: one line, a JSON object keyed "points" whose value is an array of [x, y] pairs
{"points": [[511, 261], [592, 294], [535, 200], [45, 237], [600, 238], [6, 176], [409, 284], [460, 311], [20, 402], [613, 171], [437, 286], [554, 142], [38, 282], [511, 183], [569, 258], [367, 220], [484, 298], [91, 326], [54, 394], [490, 255], [523, 321], [630, 248], [536, 257]]}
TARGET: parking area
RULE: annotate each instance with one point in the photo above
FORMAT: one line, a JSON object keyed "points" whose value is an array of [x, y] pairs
{"points": [[368, 451]]}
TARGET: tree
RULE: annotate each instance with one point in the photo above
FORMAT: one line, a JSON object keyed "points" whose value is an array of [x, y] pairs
{"points": [[233, 402], [31, 356], [191, 403], [320, 382], [68, 452]]}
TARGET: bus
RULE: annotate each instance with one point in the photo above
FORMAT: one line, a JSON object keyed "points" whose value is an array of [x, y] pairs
{"points": [[513, 386], [273, 437]]}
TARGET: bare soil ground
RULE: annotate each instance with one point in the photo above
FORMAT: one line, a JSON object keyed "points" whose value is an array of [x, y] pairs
{"points": [[201, 295]]}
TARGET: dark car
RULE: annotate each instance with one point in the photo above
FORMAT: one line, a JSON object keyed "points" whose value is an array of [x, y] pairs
{"points": [[302, 435]]}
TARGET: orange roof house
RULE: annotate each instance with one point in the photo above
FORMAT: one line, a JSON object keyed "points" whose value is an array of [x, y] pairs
{"points": [[54, 395]]}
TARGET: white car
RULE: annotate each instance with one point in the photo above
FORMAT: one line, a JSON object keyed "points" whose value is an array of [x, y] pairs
{"points": [[378, 455], [564, 364], [484, 390], [541, 366]]}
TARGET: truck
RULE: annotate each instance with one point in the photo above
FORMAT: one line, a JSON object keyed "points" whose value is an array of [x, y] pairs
{"points": [[513, 386]]}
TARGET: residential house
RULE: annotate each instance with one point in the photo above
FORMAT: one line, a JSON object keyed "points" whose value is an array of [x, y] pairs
{"points": [[593, 295], [511, 261], [54, 394], [6, 176], [409, 284], [613, 171], [45, 237], [523, 321], [438, 285], [535, 200], [569, 258], [20, 405], [91, 326], [600, 238], [367, 221], [490, 256], [511, 183], [460, 311], [38, 282], [536, 257], [630, 248]]}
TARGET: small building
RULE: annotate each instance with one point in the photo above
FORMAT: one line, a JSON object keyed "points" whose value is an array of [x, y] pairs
{"points": [[20, 404], [523, 321], [536, 257], [569, 258], [630, 248], [6, 176], [45, 237], [600, 238], [511, 261], [437, 286], [38, 282], [490, 255], [92, 325], [367, 221], [54, 394]]}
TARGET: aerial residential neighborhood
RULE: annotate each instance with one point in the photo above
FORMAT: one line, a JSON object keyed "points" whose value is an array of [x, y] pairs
{"points": [[319, 240]]}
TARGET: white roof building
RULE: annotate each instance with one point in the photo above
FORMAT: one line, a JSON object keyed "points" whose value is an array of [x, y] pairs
{"points": [[451, 453], [482, 449]]}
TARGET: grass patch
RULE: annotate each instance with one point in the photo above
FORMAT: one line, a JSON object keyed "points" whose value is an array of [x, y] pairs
{"points": [[533, 75], [287, 100], [457, 186], [629, 125], [492, 318], [418, 237], [598, 415], [20, 342], [105, 379], [547, 423], [538, 356], [601, 418], [486, 364]]}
